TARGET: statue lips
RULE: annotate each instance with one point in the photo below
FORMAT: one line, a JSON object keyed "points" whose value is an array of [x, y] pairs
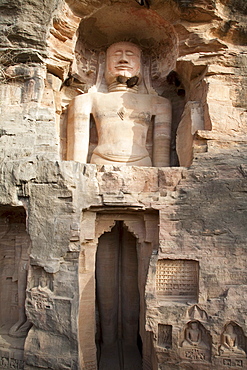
{"points": [[123, 67], [124, 70]]}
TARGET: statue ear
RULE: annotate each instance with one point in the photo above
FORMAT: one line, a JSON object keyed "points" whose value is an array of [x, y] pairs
{"points": [[101, 69], [131, 82], [147, 75], [122, 79]]}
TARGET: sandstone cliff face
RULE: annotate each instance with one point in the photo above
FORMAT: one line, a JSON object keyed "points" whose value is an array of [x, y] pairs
{"points": [[188, 222]]}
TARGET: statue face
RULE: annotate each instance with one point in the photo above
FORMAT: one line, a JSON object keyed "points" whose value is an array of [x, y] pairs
{"points": [[229, 329], [122, 59], [194, 325]]}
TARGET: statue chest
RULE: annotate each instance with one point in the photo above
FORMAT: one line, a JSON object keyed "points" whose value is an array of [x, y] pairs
{"points": [[125, 107]]}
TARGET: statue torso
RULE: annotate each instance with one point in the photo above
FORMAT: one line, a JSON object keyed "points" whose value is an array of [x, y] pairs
{"points": [[122, 120]]}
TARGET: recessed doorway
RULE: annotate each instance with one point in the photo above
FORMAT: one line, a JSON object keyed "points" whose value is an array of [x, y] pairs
{"points": [[118, 301]]}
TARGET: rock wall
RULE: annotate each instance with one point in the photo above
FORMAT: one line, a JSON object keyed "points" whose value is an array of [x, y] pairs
{"points": [[188, 222]]}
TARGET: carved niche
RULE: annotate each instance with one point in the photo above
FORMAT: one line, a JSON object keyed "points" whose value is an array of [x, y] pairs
{"points": [[232, 349], [94, 124], [196, 343], [14, 262], [165, 336]]}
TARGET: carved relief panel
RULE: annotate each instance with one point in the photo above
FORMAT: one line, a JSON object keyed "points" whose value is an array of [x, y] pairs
{"points": [[14, 266], [177, 279], [11, 363], [14, 262], [196, 343], [165, 336], [232, 349]]}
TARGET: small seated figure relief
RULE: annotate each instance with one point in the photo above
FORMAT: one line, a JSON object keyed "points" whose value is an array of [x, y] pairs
{"points": [[122, 116], [193, 336], [41, 292], [230, 342], [43, 285], [196, 345]]}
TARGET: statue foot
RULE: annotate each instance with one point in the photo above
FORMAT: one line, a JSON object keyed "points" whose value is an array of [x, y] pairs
{"points": [[20, 329]]}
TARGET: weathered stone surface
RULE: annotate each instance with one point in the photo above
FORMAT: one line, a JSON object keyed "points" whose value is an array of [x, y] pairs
{"points": [[186, 227], [195, 224], [24, 30], [61, 41]]}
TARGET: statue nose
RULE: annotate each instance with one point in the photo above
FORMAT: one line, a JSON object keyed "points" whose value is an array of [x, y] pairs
{"points": [[123, 60]]}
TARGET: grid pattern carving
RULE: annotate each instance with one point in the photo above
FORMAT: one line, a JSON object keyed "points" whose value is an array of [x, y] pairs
{"points": [[177, 278]]}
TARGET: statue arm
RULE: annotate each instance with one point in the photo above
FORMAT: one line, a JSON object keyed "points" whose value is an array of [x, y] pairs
{"points": [[78, 128], [199, 336], [225, 340], [162, 133], [187, 336], [236, 341]]}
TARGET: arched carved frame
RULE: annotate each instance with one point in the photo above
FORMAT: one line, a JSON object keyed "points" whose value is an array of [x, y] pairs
{"points": [[144, 227]]}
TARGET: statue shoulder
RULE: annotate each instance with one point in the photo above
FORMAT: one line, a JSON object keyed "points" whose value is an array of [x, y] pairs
{"points": [[161, 100], [161, 105], [82, 100], [84, 97]]}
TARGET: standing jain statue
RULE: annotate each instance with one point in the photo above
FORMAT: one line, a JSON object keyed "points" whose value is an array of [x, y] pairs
{"points": [[122, 116]]}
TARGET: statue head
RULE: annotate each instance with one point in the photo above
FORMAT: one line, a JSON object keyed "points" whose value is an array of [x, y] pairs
{"points": [[123, 59], [194, 325], [229, 329]]}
